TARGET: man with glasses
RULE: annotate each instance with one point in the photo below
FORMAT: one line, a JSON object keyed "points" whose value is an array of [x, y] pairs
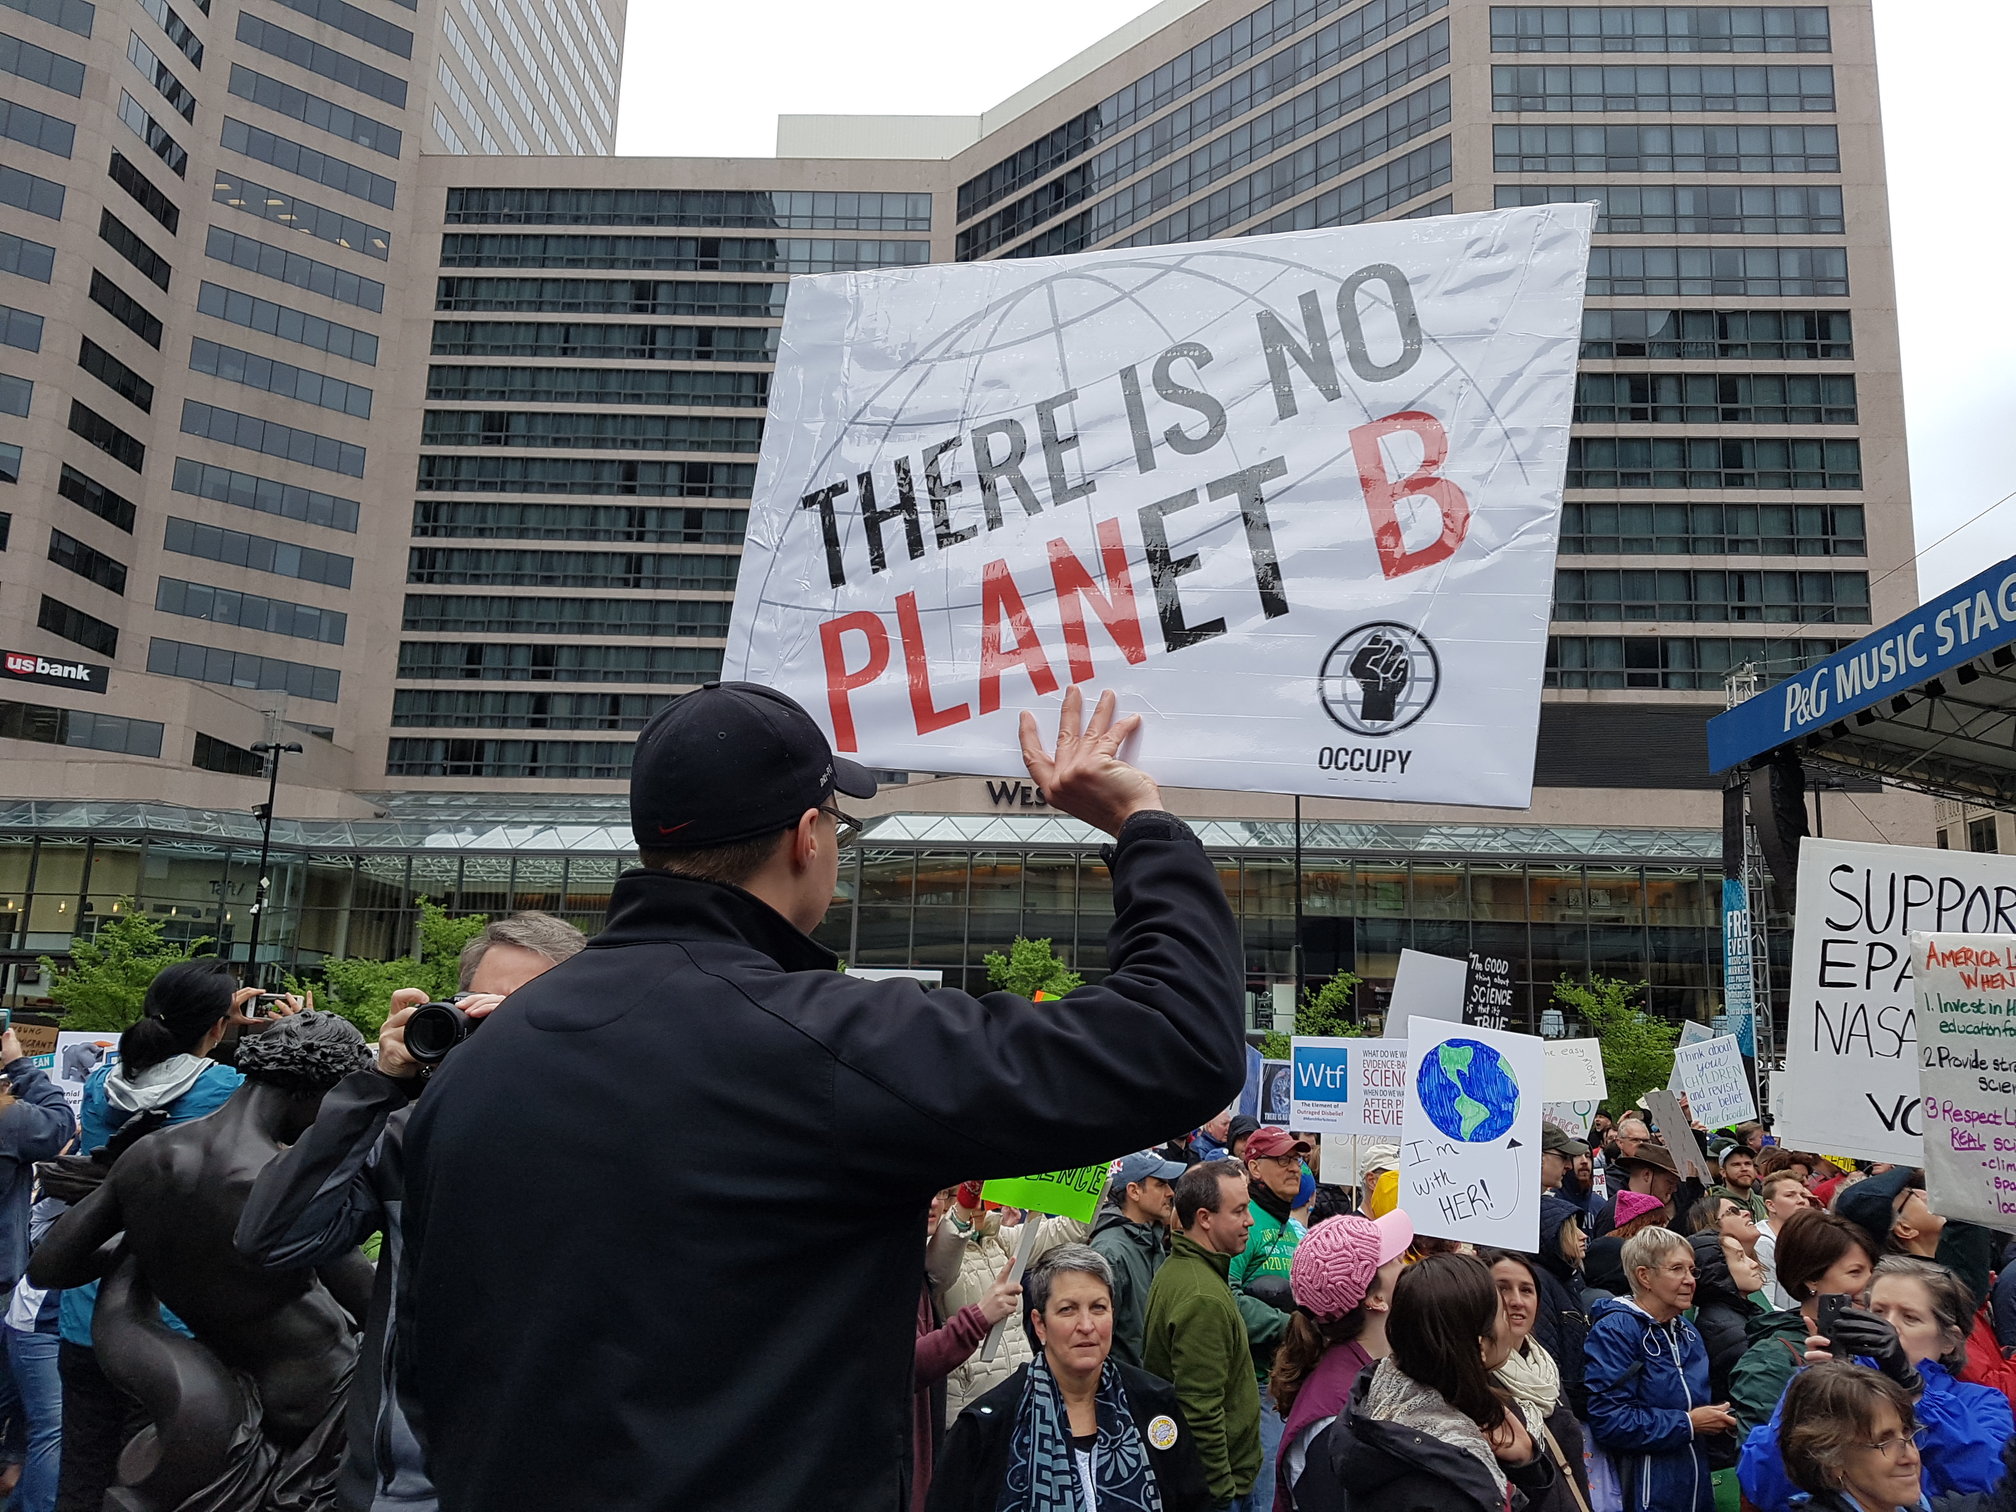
{"points": [[709, 1333], [1259, 1276]]}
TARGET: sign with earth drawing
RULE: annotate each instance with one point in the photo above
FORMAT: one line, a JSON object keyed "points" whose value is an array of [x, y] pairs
{"points": [[1470, 1135]]}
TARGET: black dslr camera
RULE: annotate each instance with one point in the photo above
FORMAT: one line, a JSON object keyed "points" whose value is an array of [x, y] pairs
{"points": [[437, 1028]]}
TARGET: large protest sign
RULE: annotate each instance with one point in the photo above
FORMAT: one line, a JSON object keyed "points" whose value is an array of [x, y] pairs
{"points": [[1966, 996], [1426, 986], [1676, 1134], [1068, 1194], [1487, 995], [1470, 1136], [1295, 495], [1348, 1086], [1711, 1073], [1575, 1071], [1850, 1082]]}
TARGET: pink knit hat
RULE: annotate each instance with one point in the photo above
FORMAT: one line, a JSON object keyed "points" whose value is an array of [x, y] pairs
{"points": [[1635, 1205], [1335, 1262]]}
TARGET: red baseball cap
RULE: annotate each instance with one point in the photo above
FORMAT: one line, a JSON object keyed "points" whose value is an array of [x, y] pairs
{"points": [[1269, 1140]]}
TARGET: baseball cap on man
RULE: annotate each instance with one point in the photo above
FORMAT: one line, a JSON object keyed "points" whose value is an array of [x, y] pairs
{"points": [[732, 761], [1141, 1166], [1555, 1140], [1269, 1140]]}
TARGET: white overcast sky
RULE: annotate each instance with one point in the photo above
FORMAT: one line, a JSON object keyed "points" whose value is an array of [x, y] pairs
{"points": [[705, 80]]}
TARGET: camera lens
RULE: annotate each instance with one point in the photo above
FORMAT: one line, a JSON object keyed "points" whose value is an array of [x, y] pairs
{"points": [[434, 1030]]}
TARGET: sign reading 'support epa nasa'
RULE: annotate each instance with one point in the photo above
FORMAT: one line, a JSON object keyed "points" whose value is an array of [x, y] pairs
{"points": [[1294, 498]]}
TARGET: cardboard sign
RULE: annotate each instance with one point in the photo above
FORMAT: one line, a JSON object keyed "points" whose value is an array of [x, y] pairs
{"points": [[1850, 1081], [1470, 1134], [1426, 986], [1677, 1135], [1298, 495], [1067, 1194], [1348, 1086], [1966, 994], [1575, 1118], [1575, 1071], [1711, 1073]]}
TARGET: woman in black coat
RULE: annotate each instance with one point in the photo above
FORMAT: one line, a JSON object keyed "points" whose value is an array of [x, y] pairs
{"points": [[1563, 1323]]}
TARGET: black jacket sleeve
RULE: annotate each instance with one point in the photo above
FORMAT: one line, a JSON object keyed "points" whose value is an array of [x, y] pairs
{"points": [[317, 1201], [1001, 1086]]}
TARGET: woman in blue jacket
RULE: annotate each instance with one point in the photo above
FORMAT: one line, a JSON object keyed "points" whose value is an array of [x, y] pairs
{"points": [[1919, 1311], [162, 1067], [1647, 1380]]}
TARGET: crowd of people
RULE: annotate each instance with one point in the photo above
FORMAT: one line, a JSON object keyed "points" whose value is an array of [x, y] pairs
{"points": [[650, 1239]]}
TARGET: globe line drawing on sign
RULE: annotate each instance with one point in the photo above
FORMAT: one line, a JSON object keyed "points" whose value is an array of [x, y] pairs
{"points": [[1467, 1091]]}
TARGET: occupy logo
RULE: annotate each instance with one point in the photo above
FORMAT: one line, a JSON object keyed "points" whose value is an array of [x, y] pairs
{"points": [[1379, 678]]}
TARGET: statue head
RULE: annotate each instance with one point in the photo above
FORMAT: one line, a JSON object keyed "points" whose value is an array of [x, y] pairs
{"points": [[304, 1055]]}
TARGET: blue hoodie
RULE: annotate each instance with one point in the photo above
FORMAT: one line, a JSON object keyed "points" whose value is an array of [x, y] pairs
{"points": [[1643, 1378], [1965, 1429]]}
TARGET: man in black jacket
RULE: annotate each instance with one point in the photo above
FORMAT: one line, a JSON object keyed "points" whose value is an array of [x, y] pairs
{"points": [[595, 1316]]}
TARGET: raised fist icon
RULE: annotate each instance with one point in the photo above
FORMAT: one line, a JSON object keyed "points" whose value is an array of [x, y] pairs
{"points": [[1380, 668]]}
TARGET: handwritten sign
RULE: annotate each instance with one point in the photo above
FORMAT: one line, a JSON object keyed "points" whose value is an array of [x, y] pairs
{"points": [[1675, 1134], [1426, 986], [1718, 1090], [1067, 1194], [1966, 998], [1348, 1086], [1575, 1071], [1692, 1032], [1470, 1133], [1572, 1117], [1487, 997]]}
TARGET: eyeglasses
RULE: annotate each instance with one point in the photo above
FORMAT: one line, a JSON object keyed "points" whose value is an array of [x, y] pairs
{"points": [[1892, 1449], [846, 828]]}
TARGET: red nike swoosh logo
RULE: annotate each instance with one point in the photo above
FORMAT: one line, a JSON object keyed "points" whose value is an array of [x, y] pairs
{"points": [[673, 829]]}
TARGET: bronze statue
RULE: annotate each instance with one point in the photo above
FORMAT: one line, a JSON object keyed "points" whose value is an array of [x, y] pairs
{"points": [[247, 1416]]}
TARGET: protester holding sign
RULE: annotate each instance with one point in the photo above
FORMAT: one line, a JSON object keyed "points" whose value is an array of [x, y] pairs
{"points": [[706, 994]]}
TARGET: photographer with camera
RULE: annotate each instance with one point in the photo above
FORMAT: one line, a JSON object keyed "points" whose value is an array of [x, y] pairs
{"points": [[345, 1180]]}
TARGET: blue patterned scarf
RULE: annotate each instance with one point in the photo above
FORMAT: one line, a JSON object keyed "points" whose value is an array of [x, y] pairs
{"points": [[1042, 1471]]}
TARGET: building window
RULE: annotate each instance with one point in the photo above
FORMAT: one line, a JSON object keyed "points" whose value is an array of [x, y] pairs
{"points": [[1747, 272], [592, 431], [288, 324], [544, 661], [244, 491], [456, 709], [1611, 148], [236, 365], [17, 395], [125, 309], [521, 519], [586, 475], [250, 611], [293, 213], [1981, 836], [1602, 528], [259, 553], [1652, 594], [1695, 209], [150, 131], [360, 24], [1661, 88], [292, 268], [38, 65], [272, 439], [29, 259], [1384, 188], [1718, 335], [619, 343], [551, 759], [149, 198], [72, 15], [503, 568], [115, 233], [1676, 663], [214, 755], [150, 67], [311, 110], [177, 29], [89, 494], [10, 472], [611, 385], [242, 669], [292, 157], [478, 614], [677, 254], [20, 328], [115, 375], [107, 437], [1659, 28], [612, 296], [75, 727], [1715, 398], [31, 128], [87, 630], [25, 191], [317, 59], [756, 209], [1610, 462], [72, 555]]}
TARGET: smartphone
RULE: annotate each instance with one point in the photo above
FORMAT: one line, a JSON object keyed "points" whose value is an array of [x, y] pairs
{"points": [[1830, 1307], [264, 1001], [6, 1019]]}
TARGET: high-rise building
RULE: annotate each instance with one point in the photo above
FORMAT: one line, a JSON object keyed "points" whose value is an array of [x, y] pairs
{"points": [[475, 596]]}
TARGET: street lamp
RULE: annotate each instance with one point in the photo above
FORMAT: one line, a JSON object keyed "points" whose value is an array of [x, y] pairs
{"points": [[272, 751]]}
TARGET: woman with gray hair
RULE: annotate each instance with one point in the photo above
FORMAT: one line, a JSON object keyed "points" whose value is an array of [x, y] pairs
{"points": [[1073, 1428]]}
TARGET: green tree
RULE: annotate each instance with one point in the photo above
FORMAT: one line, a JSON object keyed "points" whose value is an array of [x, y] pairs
{"points": [[1325, 1012], [106, 981], [362, 990], [1030, 967], [1637, 1048]]}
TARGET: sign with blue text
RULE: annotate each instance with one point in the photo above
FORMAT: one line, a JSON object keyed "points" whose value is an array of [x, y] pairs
{"points": [[1348, 1086], [1738, 948], [1966, 986]]}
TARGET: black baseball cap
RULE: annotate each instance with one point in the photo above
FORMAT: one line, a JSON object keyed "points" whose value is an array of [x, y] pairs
{"points": [[732, 761]]}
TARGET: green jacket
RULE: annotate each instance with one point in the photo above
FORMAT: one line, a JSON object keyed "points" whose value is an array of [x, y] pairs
{"points": [[1777, 1349], [1197, 1341], [1270, 1249], [1136, 1252]]}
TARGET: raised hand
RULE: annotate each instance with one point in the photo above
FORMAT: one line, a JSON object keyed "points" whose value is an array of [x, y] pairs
{"points": [[1086, 778]]}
